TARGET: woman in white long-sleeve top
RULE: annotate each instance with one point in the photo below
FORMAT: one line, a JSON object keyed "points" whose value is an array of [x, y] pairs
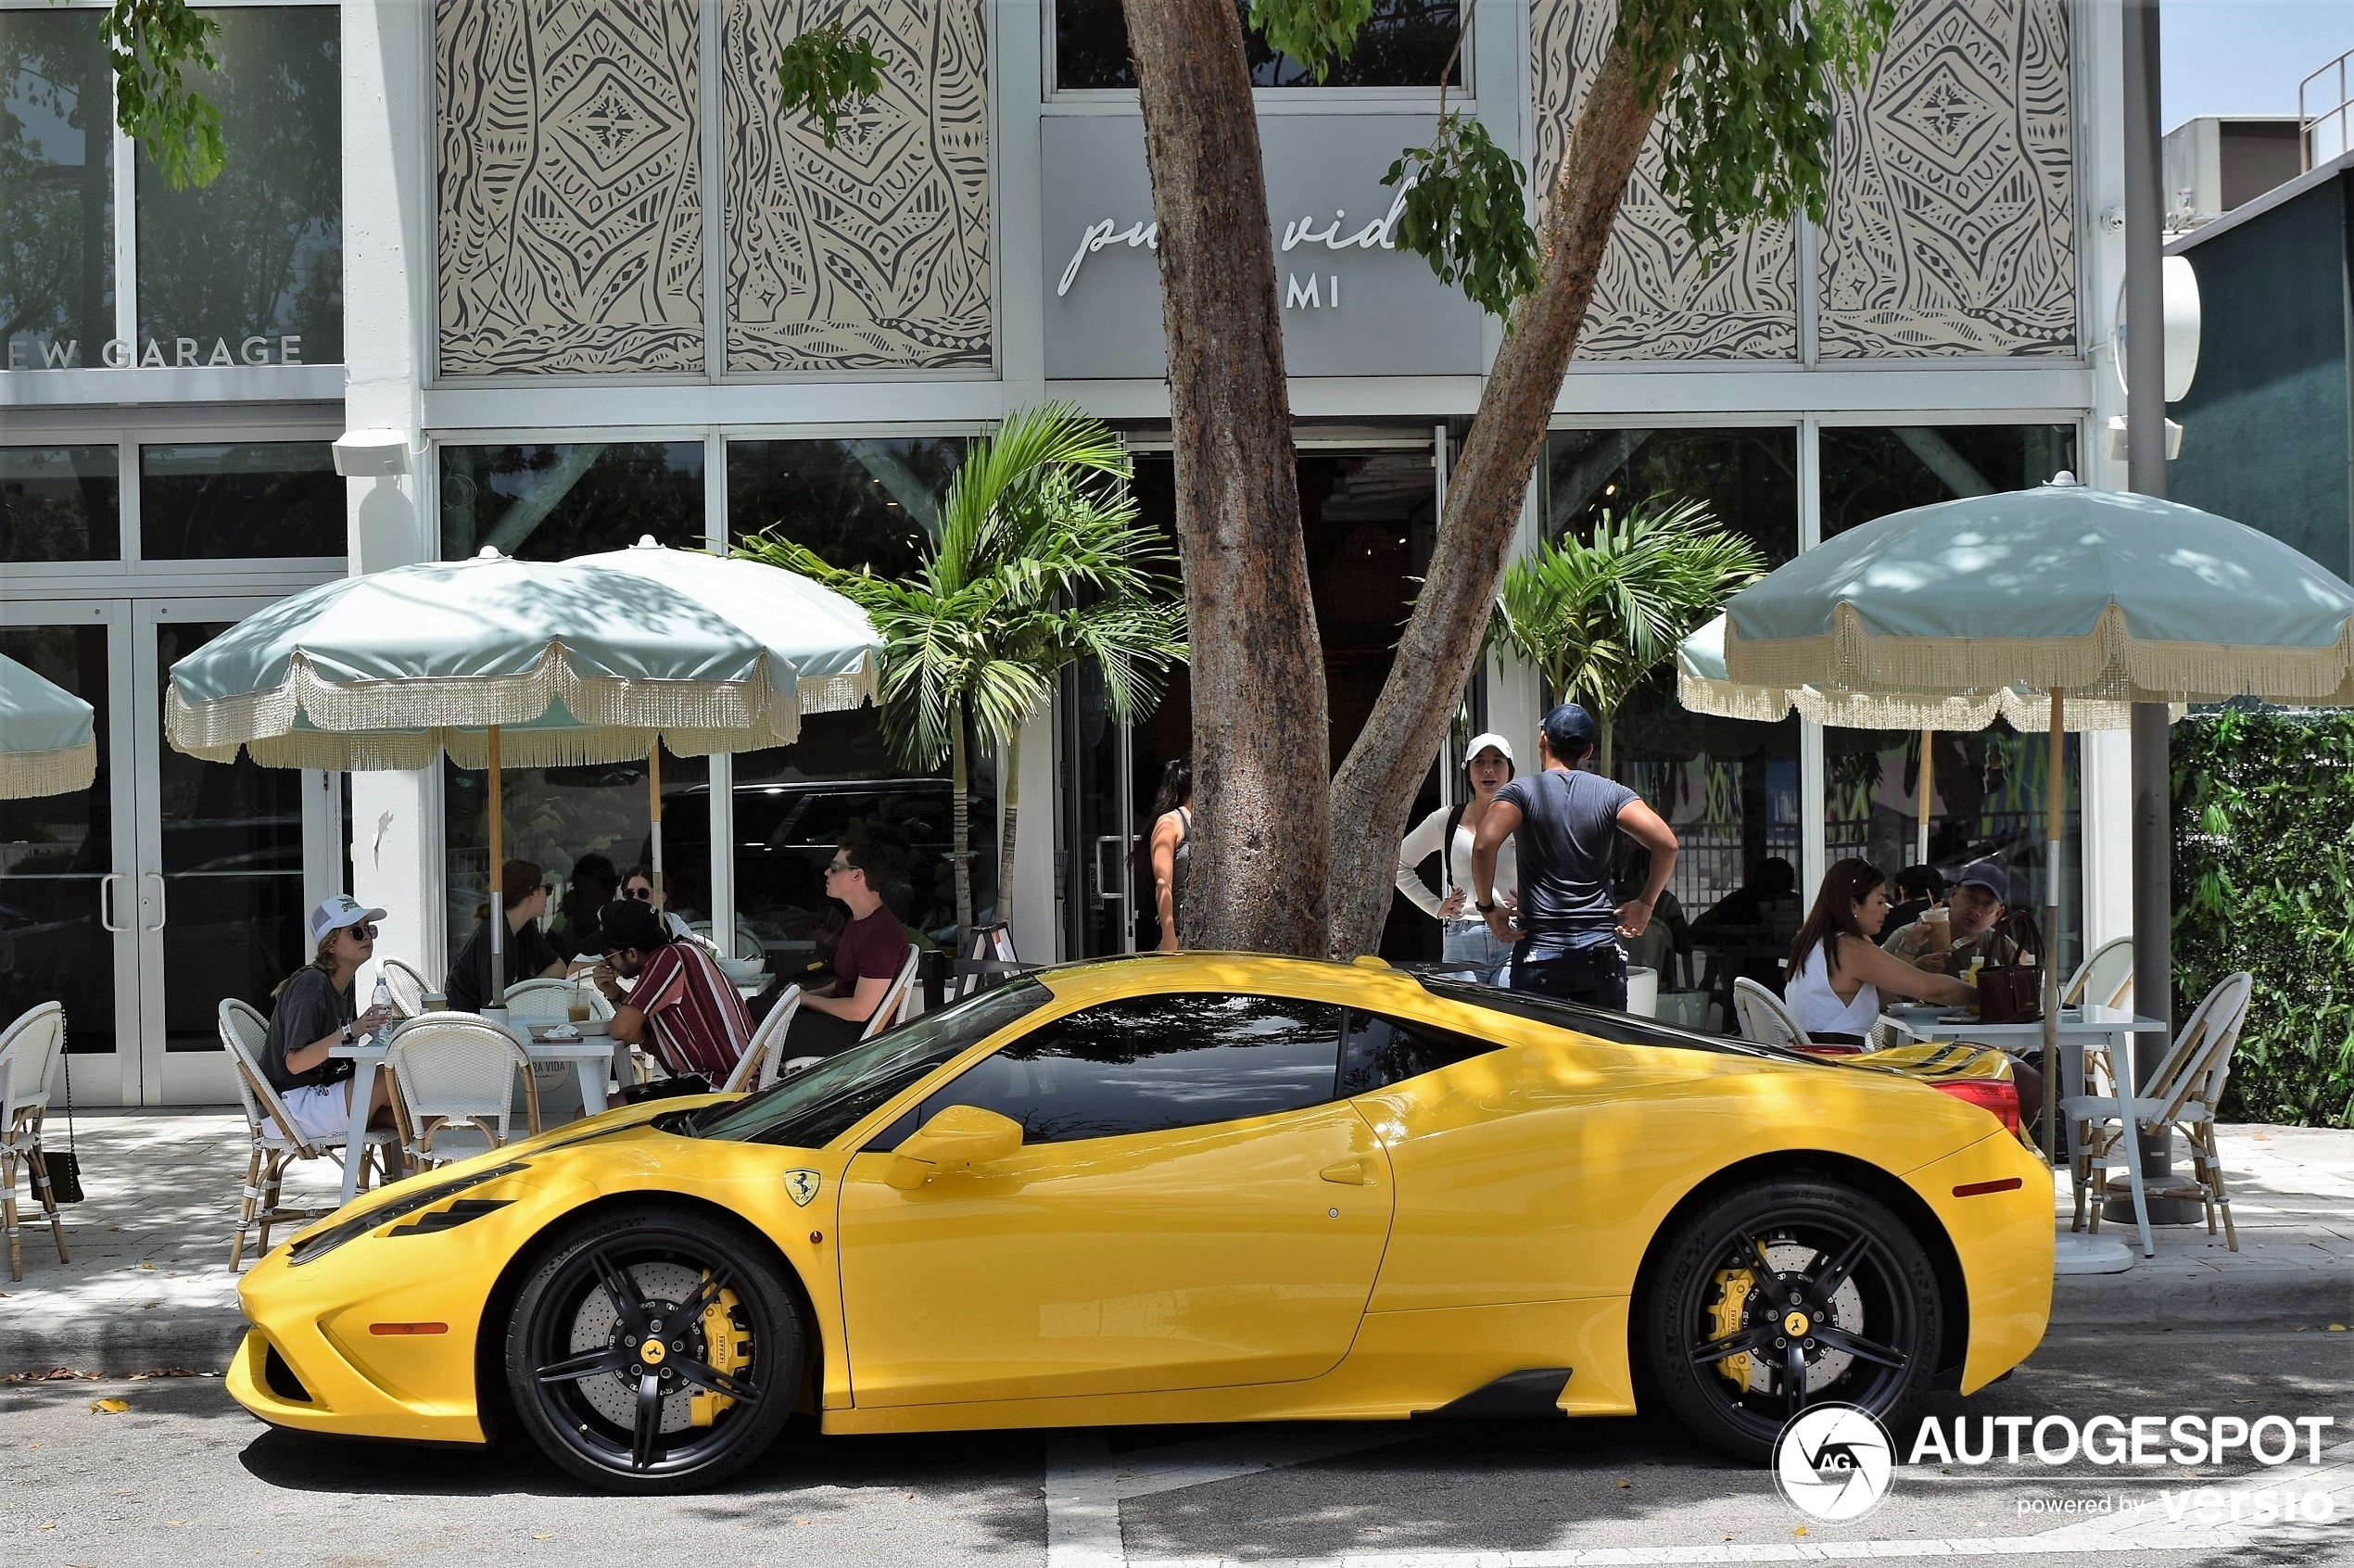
{"points": [[1447, 833]]}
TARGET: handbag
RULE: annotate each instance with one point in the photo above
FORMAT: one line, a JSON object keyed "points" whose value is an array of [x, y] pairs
{"points": [[2010, 993], [64, 1170]]}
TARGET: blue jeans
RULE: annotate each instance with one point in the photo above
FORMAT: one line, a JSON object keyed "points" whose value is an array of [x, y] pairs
{"points": [[1476, 945]]}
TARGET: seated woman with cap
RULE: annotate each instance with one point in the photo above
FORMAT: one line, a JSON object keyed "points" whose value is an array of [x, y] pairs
{"points": [[1449, 833], [313, 1011]]}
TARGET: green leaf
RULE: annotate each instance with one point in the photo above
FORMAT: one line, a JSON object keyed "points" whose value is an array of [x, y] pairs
{"points": [[826, 70], [1318, 33], [1748, 96], [154, 47], [1466, 214]]}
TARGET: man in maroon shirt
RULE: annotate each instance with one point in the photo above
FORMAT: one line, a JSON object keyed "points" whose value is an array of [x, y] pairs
{"points": [[873, 949], [682, 1004]]}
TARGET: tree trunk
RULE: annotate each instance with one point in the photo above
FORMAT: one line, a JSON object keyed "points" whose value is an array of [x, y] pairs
{"points": [[1260, 729], [1376, 784], [1008, 791], [960, 829]]}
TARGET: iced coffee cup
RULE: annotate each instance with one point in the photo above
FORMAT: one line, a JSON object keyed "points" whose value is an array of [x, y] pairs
{"points": [[1941, 930]]}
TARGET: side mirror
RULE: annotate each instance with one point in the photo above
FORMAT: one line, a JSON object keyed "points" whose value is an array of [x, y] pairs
{"points": [[959, 1135]]}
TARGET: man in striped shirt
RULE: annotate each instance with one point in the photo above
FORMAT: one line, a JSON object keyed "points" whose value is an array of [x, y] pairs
{"points": [[682, 1003]]}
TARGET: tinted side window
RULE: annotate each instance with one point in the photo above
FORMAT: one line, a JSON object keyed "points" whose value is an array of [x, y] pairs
{"points": [[1376, 1052], [1150, 1064]]}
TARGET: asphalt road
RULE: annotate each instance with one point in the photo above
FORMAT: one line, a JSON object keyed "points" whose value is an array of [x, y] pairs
{"points": [[184, 1477]]}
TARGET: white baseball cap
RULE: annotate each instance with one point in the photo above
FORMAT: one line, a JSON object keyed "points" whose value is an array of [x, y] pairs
{"points": [[335, 914], [1481, 743]]}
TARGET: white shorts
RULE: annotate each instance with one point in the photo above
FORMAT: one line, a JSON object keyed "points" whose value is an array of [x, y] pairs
{"points": [[319, 1110]]}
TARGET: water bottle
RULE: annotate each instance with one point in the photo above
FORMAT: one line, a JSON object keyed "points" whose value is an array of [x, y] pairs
{"points": [[383, 998]]}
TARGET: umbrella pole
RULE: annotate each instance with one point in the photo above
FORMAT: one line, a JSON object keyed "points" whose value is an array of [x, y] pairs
{"points": [[1926, 767], [653, 815], [2049, 957], [498, 880]]}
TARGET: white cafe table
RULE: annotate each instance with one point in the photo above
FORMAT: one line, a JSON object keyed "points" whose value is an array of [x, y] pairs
{"points": [[591, 1057], [2076, 1029]]}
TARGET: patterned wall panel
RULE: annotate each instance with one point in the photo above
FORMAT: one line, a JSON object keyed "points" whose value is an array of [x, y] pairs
{"points": [[1652, 300], [1952, 220], [570, 179], [873, 254]]}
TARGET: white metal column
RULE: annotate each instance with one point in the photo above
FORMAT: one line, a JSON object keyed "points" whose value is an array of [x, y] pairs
{"points": [[1813, 796]]}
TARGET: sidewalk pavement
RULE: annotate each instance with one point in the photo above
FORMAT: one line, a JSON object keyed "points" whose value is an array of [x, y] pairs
{"points": [[149, 1286]]}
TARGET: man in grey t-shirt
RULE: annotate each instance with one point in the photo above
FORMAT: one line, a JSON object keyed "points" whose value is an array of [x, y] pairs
{"points": [[1564, 824]]}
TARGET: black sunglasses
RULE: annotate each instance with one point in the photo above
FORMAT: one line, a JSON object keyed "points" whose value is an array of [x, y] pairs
{"points": [[643, 895], [839, 865], [365, 933]]}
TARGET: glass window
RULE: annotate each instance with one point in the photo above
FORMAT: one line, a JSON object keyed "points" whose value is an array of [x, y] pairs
{"points": [[248, 270], [1150, 1065], [1729, 788], [1987, 790], [811, 1110], [554, 503], [59, 503], [1376, 1052], [857, 503], [56, 853], [580, 826], [56, 189], [1403, 43], [221, 502]]}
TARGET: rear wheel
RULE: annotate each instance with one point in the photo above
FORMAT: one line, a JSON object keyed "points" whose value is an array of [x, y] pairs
{"points": [[1787, 1293], [654, 1350]]}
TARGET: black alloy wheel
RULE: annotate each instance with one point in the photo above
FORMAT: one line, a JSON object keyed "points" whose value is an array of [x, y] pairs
{"points": [[1787, 1293], [654, 1350]]}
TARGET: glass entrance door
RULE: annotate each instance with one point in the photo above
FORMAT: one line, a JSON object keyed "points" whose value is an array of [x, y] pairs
{"points": [[222, 890], [167, 885], [66, 861]]}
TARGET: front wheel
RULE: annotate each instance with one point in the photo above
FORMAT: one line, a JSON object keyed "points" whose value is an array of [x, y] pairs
{"points": [[1786, 1293], [654, 1350]]}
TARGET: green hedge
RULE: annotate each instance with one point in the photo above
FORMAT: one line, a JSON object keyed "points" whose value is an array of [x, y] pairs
{"points": [[2263, 819]]}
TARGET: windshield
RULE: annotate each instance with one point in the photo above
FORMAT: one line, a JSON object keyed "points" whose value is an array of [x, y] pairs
{"points": [[814, 1107]]}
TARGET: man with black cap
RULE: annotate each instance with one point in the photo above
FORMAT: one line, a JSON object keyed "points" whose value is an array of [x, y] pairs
{"points": [[1565, 825], [681, 1004], [1973, 909]]}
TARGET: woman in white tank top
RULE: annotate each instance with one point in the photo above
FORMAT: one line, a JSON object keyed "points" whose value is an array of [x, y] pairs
{"points": [[1838, 972]]}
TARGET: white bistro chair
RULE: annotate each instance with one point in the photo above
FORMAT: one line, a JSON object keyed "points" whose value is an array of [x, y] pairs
{"points": [[763, 1058], [456, 1074], [1763, 1017], [2182, 1094], [32, 1050], [902, 1000], [275, 1141], [408, 987]]}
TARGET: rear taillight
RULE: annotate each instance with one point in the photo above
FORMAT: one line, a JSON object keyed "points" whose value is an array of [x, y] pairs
{"points": [[1998, 1095]]}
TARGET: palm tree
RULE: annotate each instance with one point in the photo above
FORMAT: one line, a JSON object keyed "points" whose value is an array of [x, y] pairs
{"points": [[1039, 563], [1597, 617]]}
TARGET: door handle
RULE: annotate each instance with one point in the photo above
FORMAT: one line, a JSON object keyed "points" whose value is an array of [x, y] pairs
{"points": [[1104, 884], [105, 902], [162, 910], [1349, 1173]]}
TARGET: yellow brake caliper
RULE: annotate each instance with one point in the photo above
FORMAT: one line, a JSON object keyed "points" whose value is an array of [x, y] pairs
{"points": [[728, 1349], [1736, 1284]]}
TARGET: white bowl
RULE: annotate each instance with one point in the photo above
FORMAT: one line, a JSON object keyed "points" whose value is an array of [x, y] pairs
{"points": [[743, 972]]}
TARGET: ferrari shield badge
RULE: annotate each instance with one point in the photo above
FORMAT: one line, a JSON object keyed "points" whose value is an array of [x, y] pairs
{"points": [[802, 1185]]}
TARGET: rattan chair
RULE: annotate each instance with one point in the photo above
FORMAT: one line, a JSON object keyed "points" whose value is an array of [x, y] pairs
{"points": [[275, 1142], [32, 1051], [902, 1002], [763, 1058], [1765, 1018], [2182, 1094], [2104, 979], [409, 987], [548, 1000], [456, 1074]]}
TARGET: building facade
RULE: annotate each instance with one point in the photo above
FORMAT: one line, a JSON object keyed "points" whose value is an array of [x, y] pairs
{"points": [[571, 259]]}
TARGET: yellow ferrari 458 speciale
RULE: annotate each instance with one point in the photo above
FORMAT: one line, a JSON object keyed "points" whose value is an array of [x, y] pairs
{"points": [[1200, 1187]]}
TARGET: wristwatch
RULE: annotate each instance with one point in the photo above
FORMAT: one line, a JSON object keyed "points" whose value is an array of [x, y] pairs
{"points": [[347, 1034]]}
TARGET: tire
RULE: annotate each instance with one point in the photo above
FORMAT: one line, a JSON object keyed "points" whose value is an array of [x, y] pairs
{"points": [[611, 1287], [1716, 1345]]}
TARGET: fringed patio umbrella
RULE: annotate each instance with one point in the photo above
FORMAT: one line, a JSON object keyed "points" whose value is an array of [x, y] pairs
{"points": [[47, 743]]}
